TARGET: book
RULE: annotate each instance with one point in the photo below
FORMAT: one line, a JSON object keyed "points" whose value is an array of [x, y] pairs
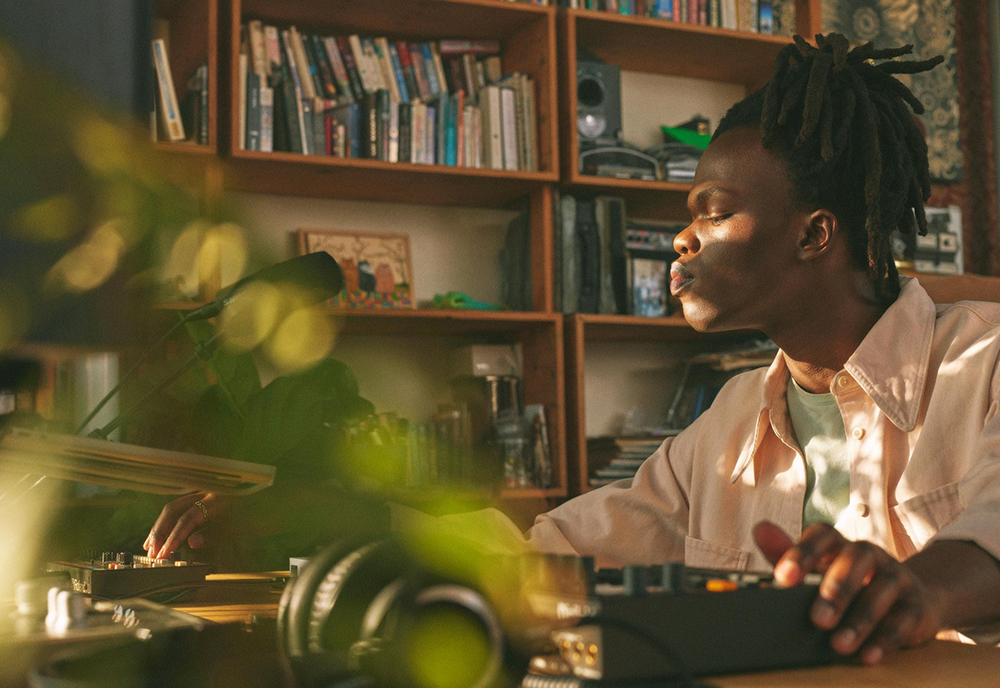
{"points": [[509, 128], [589, 252], [405, 145], [273, 51], [393, 139], [492, 128], [450, 47], [397, 67], [380, 46], [266, 101], [420, 71], [258, 49], [430, 135], [375, 68], [365, 74], [409, 75], [353, 75], [569, 255], [306, 71], [434, 85], [438, 65], [242, 69], [299, 99], [339, 68], [348, 115], [253, 112], [203, 104], [169, 111], [319, 56]]}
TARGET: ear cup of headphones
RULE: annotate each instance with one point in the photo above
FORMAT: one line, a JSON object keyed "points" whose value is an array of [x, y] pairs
{"points": [[296, 600]]}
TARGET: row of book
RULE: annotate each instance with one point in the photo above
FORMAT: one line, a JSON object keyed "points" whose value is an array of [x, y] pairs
{"points": [[445, 103], [176, 120], [759, 16], [606, 262], [618, 457]]}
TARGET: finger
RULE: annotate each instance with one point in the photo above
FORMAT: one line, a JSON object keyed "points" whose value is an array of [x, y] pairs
{"points": [[208, 536], [846, 575], [772, 540], [166, 521], [896, 631], [186, 524], [819, 544], [868, 610]]}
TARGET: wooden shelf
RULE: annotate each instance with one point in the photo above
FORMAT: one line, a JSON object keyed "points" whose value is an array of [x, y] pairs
{"points": [[193, 40], [659, 46], [440, 322], [527, 35], [646, 199], [376, 180]]}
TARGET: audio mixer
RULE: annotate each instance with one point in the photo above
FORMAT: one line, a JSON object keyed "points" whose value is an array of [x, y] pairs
{"points": [[114, 575]]}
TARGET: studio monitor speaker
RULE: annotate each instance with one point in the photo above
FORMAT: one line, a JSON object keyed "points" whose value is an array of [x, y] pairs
{"points": [[598, 103]]}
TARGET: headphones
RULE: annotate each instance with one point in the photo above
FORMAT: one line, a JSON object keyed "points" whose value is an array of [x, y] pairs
{"points": [[364, 614]]}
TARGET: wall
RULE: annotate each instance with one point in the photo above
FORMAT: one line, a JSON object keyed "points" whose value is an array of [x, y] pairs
{"points": [[458, 248]]}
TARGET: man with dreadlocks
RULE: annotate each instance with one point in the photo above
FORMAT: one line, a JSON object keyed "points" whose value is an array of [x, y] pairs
{"points": [[874, 437]]}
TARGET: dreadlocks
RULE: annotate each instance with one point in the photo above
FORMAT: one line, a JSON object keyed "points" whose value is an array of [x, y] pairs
{"points": [[842, 123]]}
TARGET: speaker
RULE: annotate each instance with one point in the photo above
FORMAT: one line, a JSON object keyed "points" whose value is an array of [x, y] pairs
{"points": [[598, 104]]}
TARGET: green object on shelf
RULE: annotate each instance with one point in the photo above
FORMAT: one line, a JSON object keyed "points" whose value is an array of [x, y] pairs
{"points": [[687, 136], [459, 300]]}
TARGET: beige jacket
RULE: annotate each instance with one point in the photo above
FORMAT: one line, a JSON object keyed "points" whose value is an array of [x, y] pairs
{"points": [[919, 400]]}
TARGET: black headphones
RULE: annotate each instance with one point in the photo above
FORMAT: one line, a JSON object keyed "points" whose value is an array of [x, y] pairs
{"points": [[364, 614]]}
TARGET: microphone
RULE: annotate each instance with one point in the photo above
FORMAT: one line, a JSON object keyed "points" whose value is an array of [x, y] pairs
{"points": [[316, 273]]}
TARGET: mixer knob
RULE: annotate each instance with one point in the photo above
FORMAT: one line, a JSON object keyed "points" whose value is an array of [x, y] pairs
{"points": [[672, 578], [634, 580]]}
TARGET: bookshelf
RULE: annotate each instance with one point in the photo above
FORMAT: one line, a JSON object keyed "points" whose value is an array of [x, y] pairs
{"points": [[192, 39], [655, 46], [540, 41]]}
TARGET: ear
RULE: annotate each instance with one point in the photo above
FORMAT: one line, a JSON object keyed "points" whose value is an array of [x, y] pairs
{"points": [[817, 234]]}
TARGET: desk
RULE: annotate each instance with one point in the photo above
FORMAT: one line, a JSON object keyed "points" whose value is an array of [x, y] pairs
{"points": [[940, 664]]}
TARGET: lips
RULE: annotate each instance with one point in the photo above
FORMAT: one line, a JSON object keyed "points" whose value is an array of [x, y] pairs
{"points": [[680, 277]]}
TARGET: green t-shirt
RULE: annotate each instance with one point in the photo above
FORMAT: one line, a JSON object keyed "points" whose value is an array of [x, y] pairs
{"points": [[819, 428]]}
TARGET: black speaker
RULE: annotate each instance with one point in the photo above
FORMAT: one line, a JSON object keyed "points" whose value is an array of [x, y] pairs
{"points": [[598, 104]]}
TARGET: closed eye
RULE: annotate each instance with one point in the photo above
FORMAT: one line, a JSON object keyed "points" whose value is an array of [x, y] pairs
{"points": [[719, 219]]}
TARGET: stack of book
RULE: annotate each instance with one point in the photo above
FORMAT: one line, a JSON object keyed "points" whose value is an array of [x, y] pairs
{"points": [[439, 102], [758, 16], [620, 457]]}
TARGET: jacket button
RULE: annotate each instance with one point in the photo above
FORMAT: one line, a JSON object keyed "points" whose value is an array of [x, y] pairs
{"points": [[862, 509], [858, 433], [843, 381]]}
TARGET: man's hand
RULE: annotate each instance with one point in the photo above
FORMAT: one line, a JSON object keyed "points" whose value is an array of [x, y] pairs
{"points": [[875, 603], [193, 518]]}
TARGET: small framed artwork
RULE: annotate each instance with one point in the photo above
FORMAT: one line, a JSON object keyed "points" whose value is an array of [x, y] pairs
{"points": [[378, 268]]}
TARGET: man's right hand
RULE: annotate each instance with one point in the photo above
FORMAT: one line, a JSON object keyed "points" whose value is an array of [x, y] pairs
{"points": [[199, 518]]}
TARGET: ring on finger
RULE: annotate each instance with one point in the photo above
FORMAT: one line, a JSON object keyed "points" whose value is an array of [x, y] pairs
{"points": [[203, 509]]}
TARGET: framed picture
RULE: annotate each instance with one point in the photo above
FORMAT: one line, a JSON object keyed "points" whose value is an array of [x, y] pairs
{"points": [[378, 268]]}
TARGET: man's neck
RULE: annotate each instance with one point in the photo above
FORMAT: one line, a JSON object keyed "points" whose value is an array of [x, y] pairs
{"points": [[819, 337]]}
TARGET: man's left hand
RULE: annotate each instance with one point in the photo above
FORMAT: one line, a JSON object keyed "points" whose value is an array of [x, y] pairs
{"points": [[875, 604]]}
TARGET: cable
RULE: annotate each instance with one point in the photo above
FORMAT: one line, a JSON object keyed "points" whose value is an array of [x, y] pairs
{"points": [[127, 376]]}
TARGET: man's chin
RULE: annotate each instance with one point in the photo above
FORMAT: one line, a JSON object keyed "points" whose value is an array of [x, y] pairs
{"points": [[703, 317]]}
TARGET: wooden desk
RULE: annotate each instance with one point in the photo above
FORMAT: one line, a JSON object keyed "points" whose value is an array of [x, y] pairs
{"points": [[941, 664]]}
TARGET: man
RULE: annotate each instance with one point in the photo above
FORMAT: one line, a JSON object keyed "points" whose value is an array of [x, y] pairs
{"points": [[876, 427]]}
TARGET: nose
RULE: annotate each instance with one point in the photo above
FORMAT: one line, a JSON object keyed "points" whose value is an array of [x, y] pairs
{"points": [[686, 241]]}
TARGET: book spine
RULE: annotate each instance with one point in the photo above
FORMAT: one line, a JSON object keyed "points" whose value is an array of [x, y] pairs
{"points": [[353, 75], [300, 104], [441, 131], [307, 108], [169, 110], [382, 137], [244, 66], [253, 112], [418, 118], [273, 50], [405, 146], [420, 71], [471, 79], [397, 69], [468, 131], [531, 123], [203, 105], [258, 49], [337, 65], [371, 126], [381, 48], [460, 128], [430, 132], [306, 71], [509, 128], [450, 47], [451, 133], [393, 146], [318, 53], [266, 117], [434, 86], [374, 64], [438, 65], [361, 62], [492, 129], [409, 76], [754, 18]]}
